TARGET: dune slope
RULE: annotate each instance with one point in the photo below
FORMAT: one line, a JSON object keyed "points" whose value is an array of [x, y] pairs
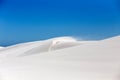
{"points": [[90, 61]]}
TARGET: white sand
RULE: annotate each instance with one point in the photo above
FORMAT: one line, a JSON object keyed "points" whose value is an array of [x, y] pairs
{"points": [[1, 47], [65, 60]]}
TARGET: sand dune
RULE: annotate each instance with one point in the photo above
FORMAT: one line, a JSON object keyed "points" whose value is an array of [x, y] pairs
{"points": [[38, 46], [62, 59], [1, 47]]}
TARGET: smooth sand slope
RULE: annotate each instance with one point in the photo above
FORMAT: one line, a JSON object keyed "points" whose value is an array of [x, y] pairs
{"points": [[38, 47], [62, 59]]}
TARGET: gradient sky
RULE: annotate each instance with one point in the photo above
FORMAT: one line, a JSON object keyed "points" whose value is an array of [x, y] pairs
{"points": [[30, 20]]}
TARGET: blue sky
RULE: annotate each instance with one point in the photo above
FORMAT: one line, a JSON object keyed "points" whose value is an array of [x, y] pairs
{"points": [[30, 20]]}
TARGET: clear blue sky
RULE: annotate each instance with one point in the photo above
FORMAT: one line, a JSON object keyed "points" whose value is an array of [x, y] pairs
{"points": [[30, 20]]}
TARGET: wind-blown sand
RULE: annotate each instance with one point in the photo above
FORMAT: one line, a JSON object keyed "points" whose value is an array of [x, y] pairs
{"points": [[62, 59]]}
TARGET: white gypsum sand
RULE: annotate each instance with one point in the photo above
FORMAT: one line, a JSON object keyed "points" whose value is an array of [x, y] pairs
{"points": [[68, 59]]}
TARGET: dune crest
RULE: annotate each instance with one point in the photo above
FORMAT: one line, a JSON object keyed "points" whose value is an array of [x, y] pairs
{"points": [[38, 46]]}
